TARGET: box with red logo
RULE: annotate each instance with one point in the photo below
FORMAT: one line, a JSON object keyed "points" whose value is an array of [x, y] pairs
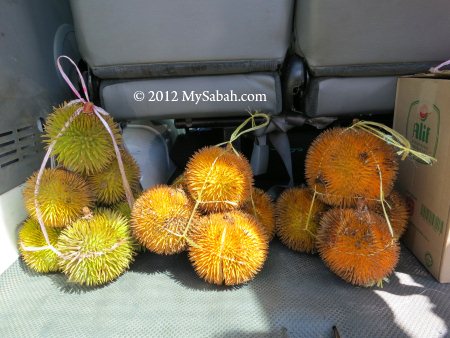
{"points": [[422, 115]]}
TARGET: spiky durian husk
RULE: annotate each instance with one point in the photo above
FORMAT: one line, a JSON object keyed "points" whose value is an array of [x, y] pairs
{"points": [[357, 246], [261, 207], [397, 211], [107, 185], [230, 248], [292, 210], [219, 178], [96, 250], [159, 219], [123, 209], [342, 165], [62, 197], [31, 235], [85, 147]]}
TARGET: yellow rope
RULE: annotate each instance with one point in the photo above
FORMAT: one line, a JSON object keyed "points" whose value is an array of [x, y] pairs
{"points": [[382, 201], [310, 210], [238, 132], [393, 138]]}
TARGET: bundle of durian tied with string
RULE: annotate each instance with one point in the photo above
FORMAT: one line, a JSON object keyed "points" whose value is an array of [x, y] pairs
{"points": [[67, 230], [212, 211], [353, 171]]}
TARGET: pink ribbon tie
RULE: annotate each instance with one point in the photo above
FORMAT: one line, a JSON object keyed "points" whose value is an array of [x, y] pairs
{"points": [[437, 69]]}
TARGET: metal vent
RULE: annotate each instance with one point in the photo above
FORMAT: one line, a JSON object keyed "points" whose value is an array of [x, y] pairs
{"points": [[16, 145], [20, 154]]}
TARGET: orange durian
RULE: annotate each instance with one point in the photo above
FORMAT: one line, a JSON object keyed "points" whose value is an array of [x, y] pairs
{"points": [[347, 165], [219, 179], [357, 246], [261, 207], [159, 219], [397, 211], [230, 248], [292, 210]]}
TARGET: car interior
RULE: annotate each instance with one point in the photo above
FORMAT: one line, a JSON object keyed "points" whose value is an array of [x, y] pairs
{"points": [[181, 75]]}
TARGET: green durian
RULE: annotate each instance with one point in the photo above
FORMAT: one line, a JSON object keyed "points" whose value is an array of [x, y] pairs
{"points": [[97, 249], [124, 209], [85, 146], [30, 235], [62, 197], [107, 185]]}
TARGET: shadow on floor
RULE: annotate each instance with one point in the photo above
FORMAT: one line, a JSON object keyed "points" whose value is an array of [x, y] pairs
{"points": [[178, 268]]}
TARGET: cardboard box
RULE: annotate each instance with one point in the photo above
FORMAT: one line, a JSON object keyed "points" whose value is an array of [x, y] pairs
{"points": [[422, 115]]}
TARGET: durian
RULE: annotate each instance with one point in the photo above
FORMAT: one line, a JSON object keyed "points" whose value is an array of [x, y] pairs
{"points": [[260, 206], [30, 235], [230, 248], [123, 209], [85, 146], [346, 165], [62, 197], [292, 224], [357, 246], [397, 211], [97, 249], [219, 179], [107, 185], [160, 219]]}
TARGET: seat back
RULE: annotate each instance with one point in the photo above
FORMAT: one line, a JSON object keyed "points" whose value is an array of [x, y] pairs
{"points": [[139, 38], [355, 50]]}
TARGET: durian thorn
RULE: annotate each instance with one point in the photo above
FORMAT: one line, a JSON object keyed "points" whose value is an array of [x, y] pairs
{"points": [[393, 138], [238, 132], [39, 177], [382, 201], [310, 209]]}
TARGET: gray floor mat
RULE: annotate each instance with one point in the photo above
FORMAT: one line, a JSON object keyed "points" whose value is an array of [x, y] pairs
{"points": [[294, 296]]}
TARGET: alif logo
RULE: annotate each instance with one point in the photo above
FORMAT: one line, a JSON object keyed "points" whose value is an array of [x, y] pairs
{"points": [[423, 127], [424, 112]]}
